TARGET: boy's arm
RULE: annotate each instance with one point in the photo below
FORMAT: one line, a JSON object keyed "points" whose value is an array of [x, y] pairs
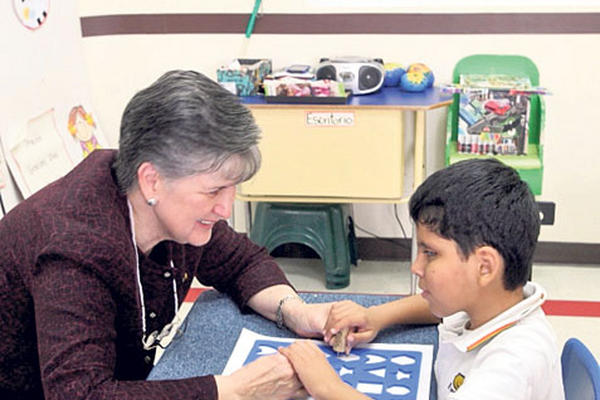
{"points": [[365, 323], [411, 310]]}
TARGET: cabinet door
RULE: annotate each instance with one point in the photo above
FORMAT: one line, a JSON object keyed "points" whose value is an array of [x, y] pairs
{"points": [[329, 152]]}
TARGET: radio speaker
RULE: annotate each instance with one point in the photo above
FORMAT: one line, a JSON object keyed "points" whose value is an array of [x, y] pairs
{"points": [[359, 75]]}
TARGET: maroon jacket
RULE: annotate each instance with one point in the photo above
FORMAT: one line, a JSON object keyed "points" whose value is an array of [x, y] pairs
{"points": [[70, 312]]}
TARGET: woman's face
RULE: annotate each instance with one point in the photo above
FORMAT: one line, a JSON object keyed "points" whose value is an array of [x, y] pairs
{"points": [[189, 207]]}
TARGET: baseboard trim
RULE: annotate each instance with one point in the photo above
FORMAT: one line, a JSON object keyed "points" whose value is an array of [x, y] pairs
{"points": [[399, 250]]}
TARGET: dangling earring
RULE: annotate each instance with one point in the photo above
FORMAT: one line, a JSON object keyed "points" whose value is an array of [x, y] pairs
{"points": [[151, 201]]}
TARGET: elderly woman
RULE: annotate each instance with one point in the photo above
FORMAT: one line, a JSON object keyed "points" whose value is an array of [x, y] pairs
{"points": [[94, 266]]}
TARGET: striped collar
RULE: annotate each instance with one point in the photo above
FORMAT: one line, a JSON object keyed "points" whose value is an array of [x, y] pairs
{"points": [[453, 328]]}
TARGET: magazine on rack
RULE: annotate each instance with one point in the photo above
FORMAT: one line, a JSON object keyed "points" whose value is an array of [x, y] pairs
{"points": [[493, 114]]}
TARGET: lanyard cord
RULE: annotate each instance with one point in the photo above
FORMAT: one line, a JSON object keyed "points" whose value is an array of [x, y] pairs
{"points": [[175, 298], [139, 280]]}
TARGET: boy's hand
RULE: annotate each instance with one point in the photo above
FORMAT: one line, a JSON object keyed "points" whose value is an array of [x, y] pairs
{"points": [[268, 377], [362, 326], [313, 369]]}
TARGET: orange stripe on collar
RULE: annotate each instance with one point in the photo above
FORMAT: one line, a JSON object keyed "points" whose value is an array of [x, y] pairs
{"points": [[490, 335]]}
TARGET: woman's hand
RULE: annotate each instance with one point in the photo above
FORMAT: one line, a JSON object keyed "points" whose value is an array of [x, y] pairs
{"points": [[307, 320], [361, 322], [269, 377]]}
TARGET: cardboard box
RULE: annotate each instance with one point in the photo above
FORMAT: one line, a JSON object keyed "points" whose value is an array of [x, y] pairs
{"points": [[244, 76]]}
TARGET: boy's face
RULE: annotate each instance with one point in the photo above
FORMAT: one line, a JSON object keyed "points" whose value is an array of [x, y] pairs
{"points": [[448, 282]]}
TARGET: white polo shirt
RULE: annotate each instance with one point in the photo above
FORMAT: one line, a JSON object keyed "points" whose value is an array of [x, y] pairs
{"points": [[513, 356]]}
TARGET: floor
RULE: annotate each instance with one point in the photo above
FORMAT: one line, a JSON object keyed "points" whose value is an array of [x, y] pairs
{"points": [[573, 305]]}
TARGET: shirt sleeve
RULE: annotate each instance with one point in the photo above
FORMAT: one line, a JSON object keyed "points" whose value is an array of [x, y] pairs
{"points": [[234, 265], [77, 340]]}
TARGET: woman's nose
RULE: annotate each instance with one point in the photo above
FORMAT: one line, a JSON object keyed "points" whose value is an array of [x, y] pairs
{"points": [[224, 203]]}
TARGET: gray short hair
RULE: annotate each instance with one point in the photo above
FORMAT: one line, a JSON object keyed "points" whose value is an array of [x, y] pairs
{"points": [[185, 124]]}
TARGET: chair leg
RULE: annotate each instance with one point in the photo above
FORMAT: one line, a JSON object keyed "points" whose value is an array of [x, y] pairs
{"points": [[338, 269], [352, 242]]}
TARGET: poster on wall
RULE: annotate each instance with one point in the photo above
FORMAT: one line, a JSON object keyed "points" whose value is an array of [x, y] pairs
{"points": [[47, 121], [46, 145]]}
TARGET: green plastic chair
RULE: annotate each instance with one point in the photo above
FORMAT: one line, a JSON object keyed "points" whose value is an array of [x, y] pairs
{"points": [[530, 167], [325, 228]]}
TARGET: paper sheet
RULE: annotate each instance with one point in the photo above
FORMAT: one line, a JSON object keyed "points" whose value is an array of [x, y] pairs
{"points": [[39, 154], [379, 370]]}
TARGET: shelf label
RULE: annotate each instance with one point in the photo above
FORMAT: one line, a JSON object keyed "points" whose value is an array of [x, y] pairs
{"points": [[328, 118]]}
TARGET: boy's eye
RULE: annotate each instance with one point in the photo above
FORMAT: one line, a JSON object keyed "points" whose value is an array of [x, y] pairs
{"points": [[429, 253]]}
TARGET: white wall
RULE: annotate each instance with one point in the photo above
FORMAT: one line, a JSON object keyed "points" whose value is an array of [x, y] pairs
{"points": [[568, 65]]}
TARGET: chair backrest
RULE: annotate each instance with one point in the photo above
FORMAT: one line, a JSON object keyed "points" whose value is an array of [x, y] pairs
{"points": [[581, 372]]}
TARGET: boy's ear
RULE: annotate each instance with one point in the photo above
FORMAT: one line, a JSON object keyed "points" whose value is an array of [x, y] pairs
{"points": [[148, 180], [491, 265]]}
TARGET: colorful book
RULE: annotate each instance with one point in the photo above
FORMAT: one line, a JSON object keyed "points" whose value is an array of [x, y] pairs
{"points": [[493, 114]]}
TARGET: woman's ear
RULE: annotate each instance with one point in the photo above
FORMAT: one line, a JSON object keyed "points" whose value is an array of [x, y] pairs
{"points": [[490, 265], [148, 180]]}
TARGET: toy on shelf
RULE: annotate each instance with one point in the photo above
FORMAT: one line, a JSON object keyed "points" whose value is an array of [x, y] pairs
{"points": [[417, 78], [244, 76], [393, 73]]}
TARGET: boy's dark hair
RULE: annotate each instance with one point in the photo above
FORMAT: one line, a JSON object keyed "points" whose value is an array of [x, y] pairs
{"points": [[482, 202]]}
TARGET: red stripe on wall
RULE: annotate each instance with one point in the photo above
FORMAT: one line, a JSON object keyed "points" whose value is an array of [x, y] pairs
{"points": [[572, 308], [565, 308]]}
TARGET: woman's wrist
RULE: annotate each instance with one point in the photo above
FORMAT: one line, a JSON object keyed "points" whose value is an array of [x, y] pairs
{"points": [[287, 307], [226, 389]]}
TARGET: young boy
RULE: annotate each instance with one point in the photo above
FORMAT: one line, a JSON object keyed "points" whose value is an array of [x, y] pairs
{"points": [[477, 226]]}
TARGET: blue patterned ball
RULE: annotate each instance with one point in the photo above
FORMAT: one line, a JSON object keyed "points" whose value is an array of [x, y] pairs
{"points": [[393, 73], [414, 82]]}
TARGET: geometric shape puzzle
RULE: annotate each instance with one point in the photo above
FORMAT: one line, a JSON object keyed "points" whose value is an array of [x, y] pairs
{"points": [[380, 370]]}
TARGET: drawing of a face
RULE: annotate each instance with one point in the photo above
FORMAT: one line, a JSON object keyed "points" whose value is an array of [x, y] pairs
{"points": [[31, 13], [81, 124], [84, 129]]}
